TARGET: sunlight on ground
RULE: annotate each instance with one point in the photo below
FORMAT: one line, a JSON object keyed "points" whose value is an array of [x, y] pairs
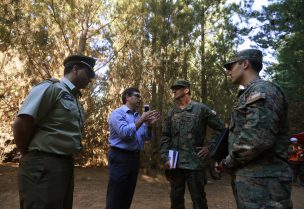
{"points": [[158, 178]]}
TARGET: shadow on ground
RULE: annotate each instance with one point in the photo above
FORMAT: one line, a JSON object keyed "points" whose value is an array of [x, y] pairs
{"points": [[151, 193]]}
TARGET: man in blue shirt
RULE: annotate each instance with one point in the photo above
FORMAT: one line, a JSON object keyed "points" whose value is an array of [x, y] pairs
{"points": [[128, 132]]}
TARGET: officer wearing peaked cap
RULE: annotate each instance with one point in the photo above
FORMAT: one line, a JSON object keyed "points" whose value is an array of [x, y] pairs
{"points": [[80, 59], [47, 132], [184, 130], [258, 138]]}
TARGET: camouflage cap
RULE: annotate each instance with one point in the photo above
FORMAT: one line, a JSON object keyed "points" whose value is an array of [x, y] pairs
{"points": [[181, 83], [247, 54], [81, 59]]}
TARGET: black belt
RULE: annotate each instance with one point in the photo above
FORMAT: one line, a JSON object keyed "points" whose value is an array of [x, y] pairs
{"points": [[37, 152], [126, 150]]}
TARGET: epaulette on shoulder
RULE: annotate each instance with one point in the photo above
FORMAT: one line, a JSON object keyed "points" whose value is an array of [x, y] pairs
{"points": [[49, 80], [53, 80]]}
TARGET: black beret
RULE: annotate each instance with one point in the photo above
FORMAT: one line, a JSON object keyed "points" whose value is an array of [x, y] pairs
{"points": [[81, 59]]}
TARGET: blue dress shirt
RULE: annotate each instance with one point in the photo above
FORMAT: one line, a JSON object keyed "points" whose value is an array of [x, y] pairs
{"points": [[123, 133]]}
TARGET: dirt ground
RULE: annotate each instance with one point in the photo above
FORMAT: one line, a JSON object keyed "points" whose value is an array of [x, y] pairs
{"points": [[151, 193]]}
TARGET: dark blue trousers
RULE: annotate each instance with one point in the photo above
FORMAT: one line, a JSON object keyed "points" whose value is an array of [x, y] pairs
{"points": [[123, 172]]}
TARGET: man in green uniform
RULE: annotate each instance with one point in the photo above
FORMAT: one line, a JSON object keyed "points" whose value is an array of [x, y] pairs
{"points": [[184, 130], [47, 132], [258, 141]]}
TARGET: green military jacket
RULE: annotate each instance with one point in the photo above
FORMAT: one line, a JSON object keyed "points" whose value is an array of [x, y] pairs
{"points": [[185, 129], [59, 117], [258, 141]]}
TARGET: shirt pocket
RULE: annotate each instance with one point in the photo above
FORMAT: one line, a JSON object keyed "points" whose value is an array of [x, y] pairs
{"points": [[239, 116], [176, 122], [190, 123], [67, 110]]}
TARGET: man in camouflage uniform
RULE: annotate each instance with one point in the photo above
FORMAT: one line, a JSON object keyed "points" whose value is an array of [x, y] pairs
{"points": [[258, 141], [48, 132], [184, 130]]}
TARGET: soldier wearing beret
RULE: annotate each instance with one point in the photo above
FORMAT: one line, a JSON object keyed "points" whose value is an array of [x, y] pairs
{"points": [[184, 130], [258, 141], [47, 132]]}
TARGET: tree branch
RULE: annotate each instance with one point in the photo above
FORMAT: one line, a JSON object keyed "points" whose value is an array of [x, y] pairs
{"points": [[60, 26]]}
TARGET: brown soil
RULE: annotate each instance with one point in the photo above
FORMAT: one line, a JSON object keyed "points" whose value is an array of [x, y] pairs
{"points": [[151, 193]]}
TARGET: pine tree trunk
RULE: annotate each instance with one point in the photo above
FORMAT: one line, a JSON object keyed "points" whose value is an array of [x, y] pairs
{"points": [[203, 68]]}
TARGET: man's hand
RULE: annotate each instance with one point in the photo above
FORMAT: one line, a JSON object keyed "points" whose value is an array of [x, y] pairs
{"points": [[23, 130], [146, 117], [167, 165], [17, 157], [222, 167], [202, 152], [218, 167], [152, 117]]}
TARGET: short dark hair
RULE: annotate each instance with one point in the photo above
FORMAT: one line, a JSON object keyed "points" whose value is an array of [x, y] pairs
{"points": [[128, 92], [68, 68], [257, 66]]}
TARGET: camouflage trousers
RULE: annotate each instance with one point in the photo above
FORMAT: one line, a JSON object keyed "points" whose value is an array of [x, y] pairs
{"points": [[195, 180], [262, 193]]}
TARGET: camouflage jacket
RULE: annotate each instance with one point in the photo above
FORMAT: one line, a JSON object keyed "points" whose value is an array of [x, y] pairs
{"points": [[185, 129], [258, 141]]}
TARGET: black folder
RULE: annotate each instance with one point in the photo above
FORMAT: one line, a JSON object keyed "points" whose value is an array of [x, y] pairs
{"points": [[220, 150]]}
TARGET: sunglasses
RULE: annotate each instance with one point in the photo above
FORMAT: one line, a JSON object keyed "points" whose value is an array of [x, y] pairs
{"points": [[90, 73]]}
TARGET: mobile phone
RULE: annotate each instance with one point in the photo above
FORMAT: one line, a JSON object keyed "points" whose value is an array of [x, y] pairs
{"points": [[146, 108]]}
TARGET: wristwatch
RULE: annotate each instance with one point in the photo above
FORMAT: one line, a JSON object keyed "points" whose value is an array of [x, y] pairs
{"points": [[225, 165]]}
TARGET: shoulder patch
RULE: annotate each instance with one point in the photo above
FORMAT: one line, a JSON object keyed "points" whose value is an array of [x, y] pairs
{"points": [[67, 96], [255, 97]]}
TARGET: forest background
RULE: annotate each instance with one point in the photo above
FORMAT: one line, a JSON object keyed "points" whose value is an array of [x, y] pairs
{"points": [[146, 44]]}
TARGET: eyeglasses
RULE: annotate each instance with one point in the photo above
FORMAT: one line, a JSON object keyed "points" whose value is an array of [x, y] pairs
{"points": [[136, 95]]}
